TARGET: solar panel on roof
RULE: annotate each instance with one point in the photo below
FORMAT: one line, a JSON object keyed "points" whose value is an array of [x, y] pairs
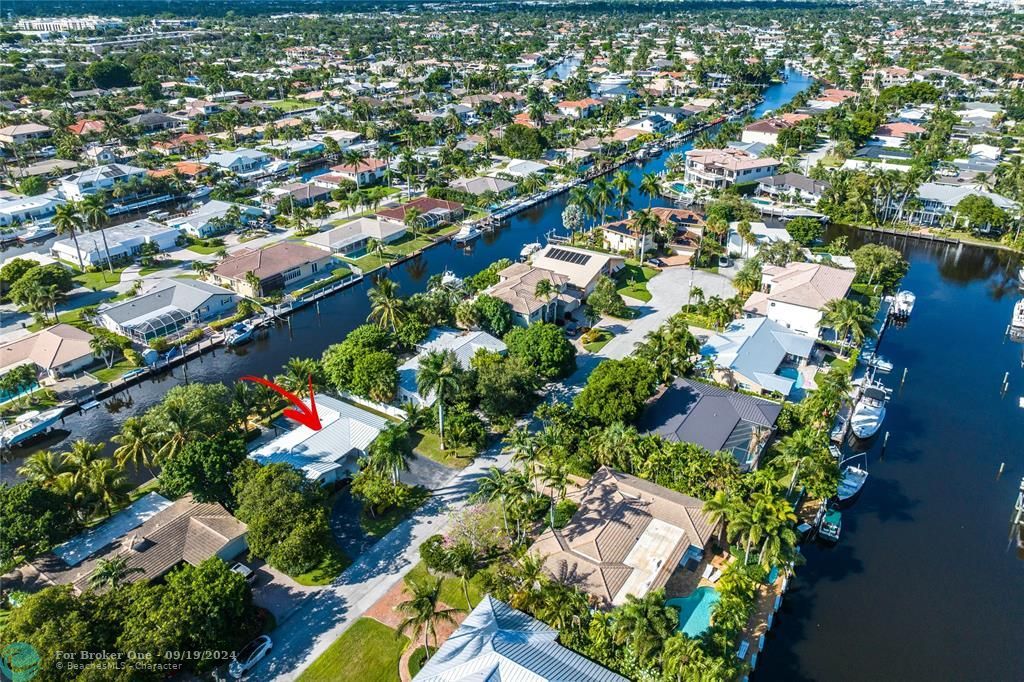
{"points": [[569, 256]]}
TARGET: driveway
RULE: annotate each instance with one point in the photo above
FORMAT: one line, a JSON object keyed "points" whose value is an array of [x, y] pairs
{"points": [[275, 591]]}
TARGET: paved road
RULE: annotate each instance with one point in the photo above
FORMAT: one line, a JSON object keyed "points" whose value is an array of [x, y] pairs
{"points": [[325, 614]]}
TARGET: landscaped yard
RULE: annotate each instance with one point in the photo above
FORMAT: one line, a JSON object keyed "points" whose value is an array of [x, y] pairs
{"points": [[428, 444], [38, 400], [380, 525], [632, 280], [108, 374], [289, 104], [159, 265], [336, 274], [451, 588], [397, 249], [329, 569], [72, 317], [203, 250], [596, 339], [98, 281], [368, 651]]}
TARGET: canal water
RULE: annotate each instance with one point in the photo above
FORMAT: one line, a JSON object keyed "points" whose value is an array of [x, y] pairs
{"points": [[314, 328], [924, 584]]}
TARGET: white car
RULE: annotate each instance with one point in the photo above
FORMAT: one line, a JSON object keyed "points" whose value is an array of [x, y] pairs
{"points": [[251, 654]]}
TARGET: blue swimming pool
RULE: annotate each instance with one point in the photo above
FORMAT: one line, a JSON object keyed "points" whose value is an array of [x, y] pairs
{"points": [[695, 610], [792, 373], [680, 187]]}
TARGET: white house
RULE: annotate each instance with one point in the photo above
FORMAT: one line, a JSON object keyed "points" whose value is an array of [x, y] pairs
{"points": [[760, 232], [211, 218], [77, 186], [168, 307], [240, 161], [332, 453], [355, 235], [721, 168], [15, 208], [750, 352], [795, 295], [789, 186], [123, 241], [938, 199], [463, 344]]}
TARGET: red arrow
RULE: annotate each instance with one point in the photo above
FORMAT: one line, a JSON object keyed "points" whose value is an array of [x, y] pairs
{"points": [[304, 415]]}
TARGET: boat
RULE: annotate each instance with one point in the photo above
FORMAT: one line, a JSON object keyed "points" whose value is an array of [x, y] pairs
{"points": [[903, 304], [29, 425], [38, 232], [451, 280], [89, 405], [831, 526], [872, 359], [1017, 321], [132, 373], [466, 234], [528, 250], [851, 483], [1020, 275], [870, 411], [240, 333]]}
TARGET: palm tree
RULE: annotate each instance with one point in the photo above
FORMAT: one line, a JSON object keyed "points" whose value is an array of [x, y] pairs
{"points": [[105, 346], [44, 467], [462, 560], [413, 219], [644, 223], [440, 374], [602, 196], [614, 445], [254, 282], [644, 624], [387, 309], [110, 573], [650, 187], [95, 216], [66, 220], [849, 319], [387, 151], [298, 374], [202, 268], [108, 484], [135, 444], [554, 476], [622, 184], [81, 457], [424, 615], [352, 157], [494, 486], [390, 451], [545, 291]]}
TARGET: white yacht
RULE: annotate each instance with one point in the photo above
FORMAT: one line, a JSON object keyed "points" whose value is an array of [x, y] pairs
{"points": [[876, 361], [903, 304], [1017, 321], [870, 411], [28, 425], [466, 234], [528, 250]]}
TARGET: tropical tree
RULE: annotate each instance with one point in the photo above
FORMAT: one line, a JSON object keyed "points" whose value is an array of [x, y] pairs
{"points": [[44, 467], [439, 374], [650, 187], [622, 184], [67, 220], [423, 612], [110, 573], [643, 624], [602, 196], [496, 485], [94, 214], [135, 444], [545, 291], [849, 319], [387, 309], [554, 476]]}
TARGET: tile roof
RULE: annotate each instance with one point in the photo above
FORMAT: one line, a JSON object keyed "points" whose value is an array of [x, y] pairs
{"points": [[518, 287], [270, 261], [48, 348], [809, 285]]}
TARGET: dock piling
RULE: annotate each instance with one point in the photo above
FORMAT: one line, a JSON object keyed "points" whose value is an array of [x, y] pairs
{"points": [[885, 444], [1002, 468]]}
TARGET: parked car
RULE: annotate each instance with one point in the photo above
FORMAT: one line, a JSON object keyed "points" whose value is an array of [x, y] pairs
{"points": [[724, 261], [245, 572], [251, 654]]}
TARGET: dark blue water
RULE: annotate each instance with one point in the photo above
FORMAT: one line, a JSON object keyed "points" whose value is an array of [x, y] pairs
{"points": [[923, 584]]}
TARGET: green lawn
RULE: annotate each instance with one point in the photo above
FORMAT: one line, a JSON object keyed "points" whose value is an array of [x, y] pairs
{"points": [[108, 374], [37, 400], [158, 266], [203, 250], [369, 651], [72, 317], [289, 104], [329, 569], [418, 658], [98, 281], [601, 337], [428, 444], [382, 524], [632, 280], [451, 588]]}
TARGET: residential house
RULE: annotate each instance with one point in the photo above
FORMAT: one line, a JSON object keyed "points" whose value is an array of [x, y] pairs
{"points": [[152, 122], [87, 126], [123, 242], [482, 185], [578, 108], [241, 161], [464, 344], [517, 286], [354, 236], [684, 227], [168, 307], [21, 133], [936, 200], [831, 98], [153, 536], [522, 168], [896, 134], [17, 208], [497, 642], [431, 212], [366, 172], [651, 124], [581, 268], [332, 453], [795, 295], [715, 418], [274, 268], [673, 115], [213, 218], [627, 537], [760, 235], [60, 350], [77, 186], [750, 352], [767, 129], [721, 168], [793, 186]]}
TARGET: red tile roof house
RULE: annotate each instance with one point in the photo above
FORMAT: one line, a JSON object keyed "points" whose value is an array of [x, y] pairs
{"points": [[278, 267], [767, 130], [87, 127], [579, 108], [363, 173], [896, 134], [432, 212]]}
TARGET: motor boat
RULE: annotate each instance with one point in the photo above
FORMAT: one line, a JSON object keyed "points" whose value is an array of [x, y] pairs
{"points": [[1020, 275], [876, 361], [466, 234], [869, 413], [903, 304], [451, 280], [528, 250], [830, 526], [851, 483], [35, 232], [28, 425], [240, 333], [1017, 321]]}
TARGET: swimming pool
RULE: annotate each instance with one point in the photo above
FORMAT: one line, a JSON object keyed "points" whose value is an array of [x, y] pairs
{"points": [[758, 200], [695, 610], [792, 373], [680, 188]]}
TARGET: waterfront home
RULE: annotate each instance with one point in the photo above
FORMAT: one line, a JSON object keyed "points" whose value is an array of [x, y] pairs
{"points": [[517, 286], [896, 134], [167, 307], [179, 143], [299, 194], [464, 344], [77, 186], [795, 295], [87, 126], [497, 642], [767, 129], [21, 133], [760, 234], [936, 200], [581, 268], [622, 237], [330, 454], [366, 172], [628, 536], [579, 108], [215, 217], [257, 272], [482, 185], [522, 168], [715, 418], [651, 124], [793, 187], [153, 536], [721, 168], [344, 138], [153, 121], [354, 236], [241, 161], [758, 354], [673, 115], [831, 98], [123, 242], [431, 212], [16, 208], [60, 350]]}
